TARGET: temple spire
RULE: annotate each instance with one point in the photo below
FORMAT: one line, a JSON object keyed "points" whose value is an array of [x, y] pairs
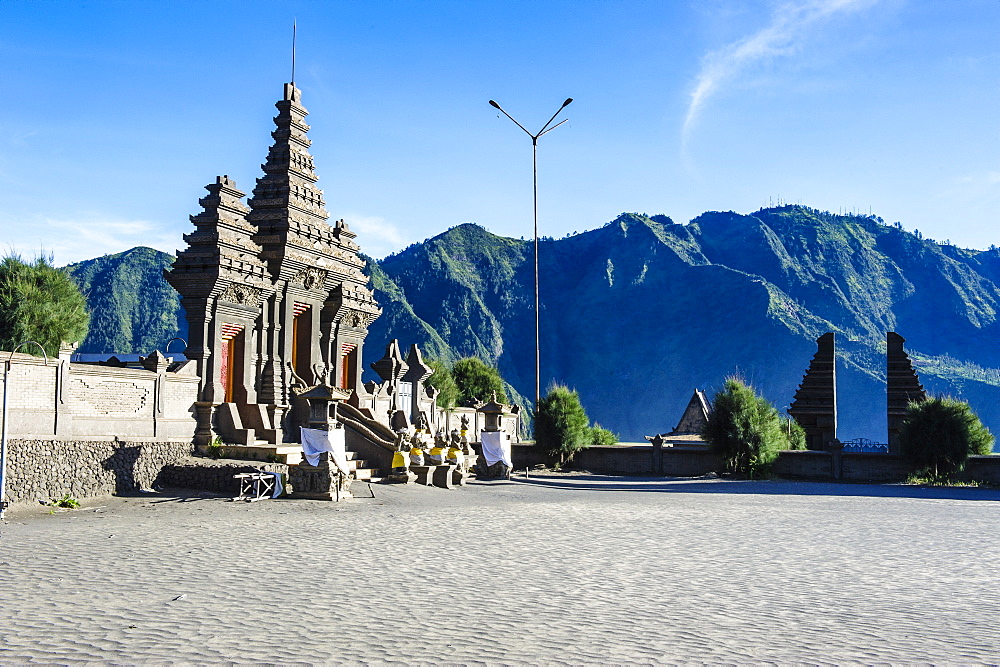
{"points": [[294, 31], [287, 194]]}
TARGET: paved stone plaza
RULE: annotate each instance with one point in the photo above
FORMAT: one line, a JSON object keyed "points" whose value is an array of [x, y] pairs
{"points": [[556, 569]]}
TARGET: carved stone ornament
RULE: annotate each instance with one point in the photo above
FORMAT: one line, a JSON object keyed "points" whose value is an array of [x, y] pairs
{"points": [[354, 318], [243, 295], [310, 277]]}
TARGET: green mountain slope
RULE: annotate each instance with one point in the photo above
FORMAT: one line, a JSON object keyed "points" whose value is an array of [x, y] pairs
{"points": [[132, 308], [638, 313]]}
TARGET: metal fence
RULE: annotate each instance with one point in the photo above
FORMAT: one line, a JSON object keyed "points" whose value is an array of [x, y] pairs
{"points": [[865, 446]]}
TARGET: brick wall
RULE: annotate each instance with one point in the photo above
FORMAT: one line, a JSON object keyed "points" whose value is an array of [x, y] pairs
{"points": [[67, 400]]}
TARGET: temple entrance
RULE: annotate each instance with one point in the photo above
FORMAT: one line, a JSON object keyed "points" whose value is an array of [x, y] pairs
{"points": [[348, 358], [302, 342], [231, 362]]}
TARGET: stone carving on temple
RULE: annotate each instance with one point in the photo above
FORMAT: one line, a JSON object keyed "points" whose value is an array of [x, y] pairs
{"points": [[310, 278], [243, 295]]}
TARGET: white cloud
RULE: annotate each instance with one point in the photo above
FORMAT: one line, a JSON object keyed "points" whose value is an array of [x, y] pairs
{"points": [[376, 236], [87, 236], [790, 23]]}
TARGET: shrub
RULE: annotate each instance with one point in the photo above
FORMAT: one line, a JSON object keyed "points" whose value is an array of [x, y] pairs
{"points": [[561, 424], [939, 434], [477, 381], [602, 437], [443, 381], [39, 302], [744, 429], [795, 434], [67, 502], [217, 448]]}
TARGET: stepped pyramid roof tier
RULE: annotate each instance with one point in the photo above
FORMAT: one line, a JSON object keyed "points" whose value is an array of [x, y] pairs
{"points": [[221, 256], [288, 210]]}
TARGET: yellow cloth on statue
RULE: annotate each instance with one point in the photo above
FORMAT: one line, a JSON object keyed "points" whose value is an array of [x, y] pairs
{"points": [[398, 460]]}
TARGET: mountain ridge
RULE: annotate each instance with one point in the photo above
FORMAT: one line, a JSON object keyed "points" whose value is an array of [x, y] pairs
{"points": [[638, 312]]}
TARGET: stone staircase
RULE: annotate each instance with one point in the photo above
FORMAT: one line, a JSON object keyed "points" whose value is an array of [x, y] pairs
{"points": [[291, 454]]}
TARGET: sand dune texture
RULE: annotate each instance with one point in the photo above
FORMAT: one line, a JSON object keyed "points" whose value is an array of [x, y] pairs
{"points": [[559, 569]]}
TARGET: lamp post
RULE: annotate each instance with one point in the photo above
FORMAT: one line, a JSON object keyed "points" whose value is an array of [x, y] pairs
{"points": [[3, 429], [534, 176]]}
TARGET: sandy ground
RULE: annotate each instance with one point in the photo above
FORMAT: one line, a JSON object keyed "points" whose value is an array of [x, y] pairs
{"points": [[556, 569]]}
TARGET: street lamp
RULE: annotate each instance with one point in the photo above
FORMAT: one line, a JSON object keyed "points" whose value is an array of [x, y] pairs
{"points": [[534, 175]]}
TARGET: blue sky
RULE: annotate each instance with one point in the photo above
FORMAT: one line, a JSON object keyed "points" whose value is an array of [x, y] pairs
{"points": [[116, 114]]}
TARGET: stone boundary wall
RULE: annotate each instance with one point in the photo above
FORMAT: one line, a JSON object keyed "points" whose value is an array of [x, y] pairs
{"points": [[695, 462], [808, 464], [71, 400], [626, 460], [46, 469], [212, 474]]}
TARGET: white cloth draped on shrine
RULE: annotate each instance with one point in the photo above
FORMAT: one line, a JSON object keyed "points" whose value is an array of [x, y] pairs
{"points": [[316, 441], [496, 447]]}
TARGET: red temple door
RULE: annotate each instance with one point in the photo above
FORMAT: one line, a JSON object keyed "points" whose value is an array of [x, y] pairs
{"points": [[228, 362]]}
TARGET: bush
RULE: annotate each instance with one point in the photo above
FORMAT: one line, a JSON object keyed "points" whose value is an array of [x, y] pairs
{"points": [[561, 424], [744, 429], [476, 380], [443, 381], [39, 302], [939, 434], [67, 502], [602, 437], [795, 434]]}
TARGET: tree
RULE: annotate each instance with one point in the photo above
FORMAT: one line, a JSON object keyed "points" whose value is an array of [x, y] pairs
{"points": [[939, 434], [744, 429], [39, 302], [477, 381], [443, 381], [561, 424]]}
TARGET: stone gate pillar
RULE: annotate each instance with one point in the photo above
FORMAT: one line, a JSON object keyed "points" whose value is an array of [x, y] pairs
{"points": [[815, 404], [901, 386]]}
